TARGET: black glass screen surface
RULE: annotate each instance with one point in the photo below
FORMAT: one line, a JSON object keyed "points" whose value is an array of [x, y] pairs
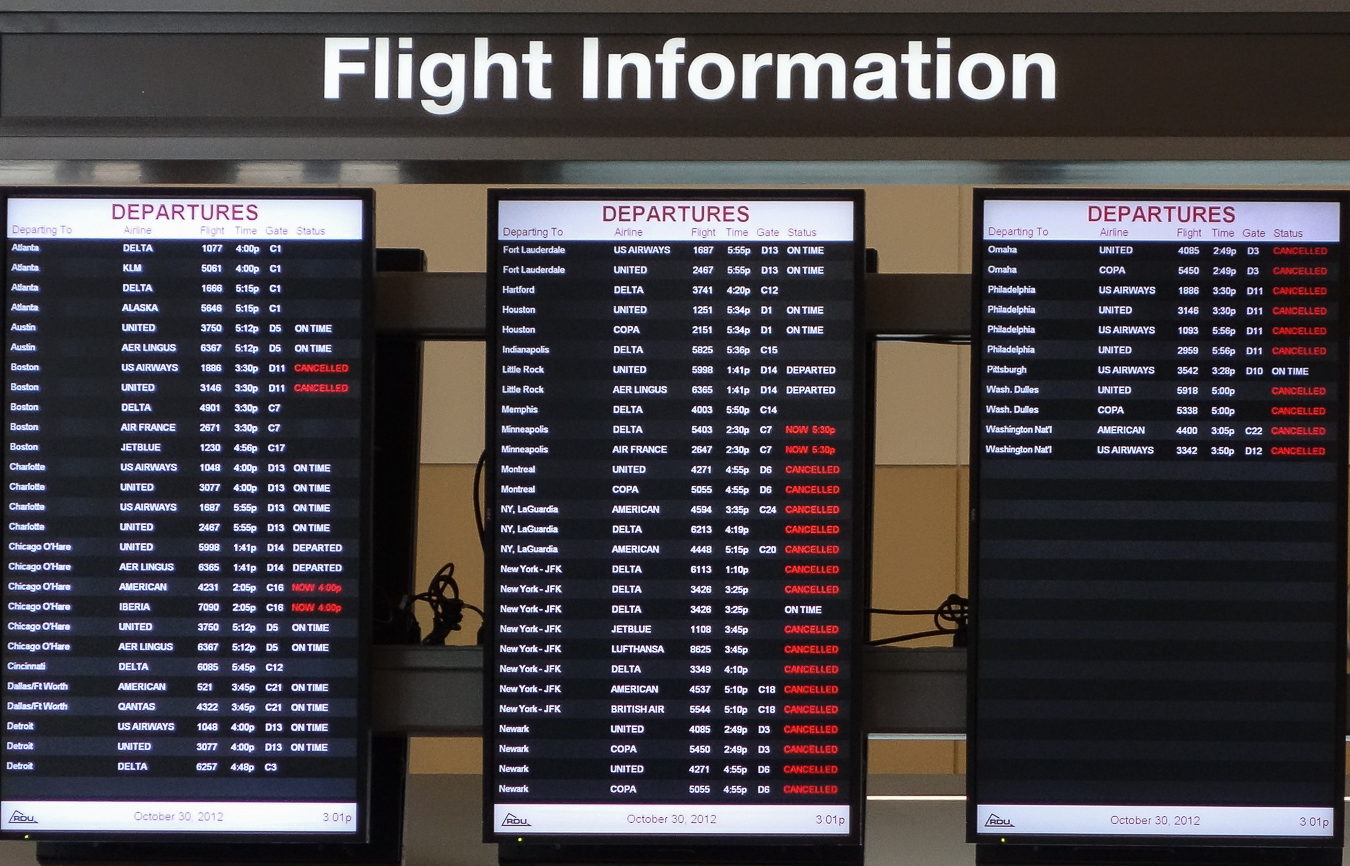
{"points": [[676, 495], [1159, 524], [186, 482]]}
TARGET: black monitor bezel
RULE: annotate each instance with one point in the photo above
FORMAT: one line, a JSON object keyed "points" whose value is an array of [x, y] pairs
{"points": [[862, 500], [366, 576], [972, 670]]}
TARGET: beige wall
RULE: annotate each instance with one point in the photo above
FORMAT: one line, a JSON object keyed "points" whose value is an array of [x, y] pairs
{"points": [[452, 401], [921, 445]]}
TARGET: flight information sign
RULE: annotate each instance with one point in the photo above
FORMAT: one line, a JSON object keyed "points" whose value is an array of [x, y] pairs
{"points": [[185, 536], [677, 554], [1159, 522]]}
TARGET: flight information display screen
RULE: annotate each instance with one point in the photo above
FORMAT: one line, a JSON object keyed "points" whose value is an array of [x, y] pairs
{"points": [[1158, 547], [676, 488], [185, 513]]}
